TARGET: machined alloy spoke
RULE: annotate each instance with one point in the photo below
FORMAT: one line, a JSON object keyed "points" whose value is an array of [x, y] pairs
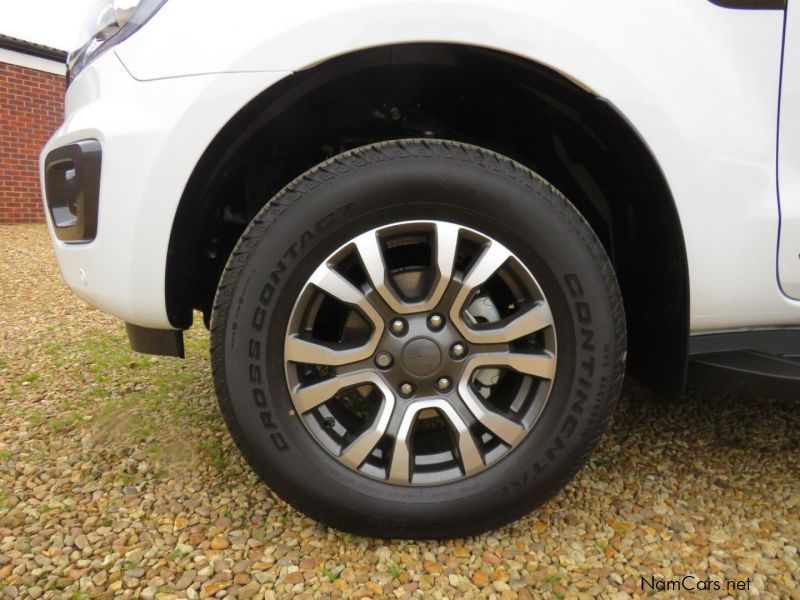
{"points": [[541, 365], [369, 248], [529, 321], [446, 242], [299, 349], [493, 257], [310, 396], [471, 459], [337, 286], [506, 429], [357, 451]]}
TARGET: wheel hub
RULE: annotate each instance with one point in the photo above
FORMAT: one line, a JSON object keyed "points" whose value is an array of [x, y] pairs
{"points": [[422, 354], [421, 357], [426, 383]]}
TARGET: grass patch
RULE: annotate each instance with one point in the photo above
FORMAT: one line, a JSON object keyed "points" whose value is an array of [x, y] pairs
{"points": [[176, 554], [164, 407], [216, 453], [129, 564], [350, 538], [547, 580], [29, 377]]}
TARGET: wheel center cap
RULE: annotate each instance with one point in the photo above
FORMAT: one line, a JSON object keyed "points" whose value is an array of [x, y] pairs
{"points": [[421, 357]]}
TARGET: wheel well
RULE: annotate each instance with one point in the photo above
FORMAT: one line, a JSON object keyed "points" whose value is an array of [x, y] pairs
{"points": [[516, 107]]}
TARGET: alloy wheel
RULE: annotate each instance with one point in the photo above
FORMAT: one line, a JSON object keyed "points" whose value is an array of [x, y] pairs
{"points": [[420, 352]]}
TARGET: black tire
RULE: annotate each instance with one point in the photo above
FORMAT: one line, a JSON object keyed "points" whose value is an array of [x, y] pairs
{"points": [[395, 181]]}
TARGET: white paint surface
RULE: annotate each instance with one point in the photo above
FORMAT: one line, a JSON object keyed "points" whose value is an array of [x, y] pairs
{"points": [[698, 82]]}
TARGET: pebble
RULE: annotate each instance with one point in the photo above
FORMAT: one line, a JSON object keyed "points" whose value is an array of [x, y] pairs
{"points": [[149, 593], [219, 542], [93, 501], [248, 591]]}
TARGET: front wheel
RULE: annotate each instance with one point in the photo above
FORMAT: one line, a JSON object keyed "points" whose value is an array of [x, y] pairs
{"points": [[417, 339]]}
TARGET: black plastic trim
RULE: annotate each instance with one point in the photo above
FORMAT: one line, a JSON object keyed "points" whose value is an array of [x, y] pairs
{"points": [[72, 190], [783, 342], [747, 374], [667, 334], [164, 342], [751, 4], [752, 363]]}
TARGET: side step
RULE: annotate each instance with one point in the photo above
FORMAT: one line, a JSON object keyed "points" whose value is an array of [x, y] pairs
{"points": [[751, 363]]}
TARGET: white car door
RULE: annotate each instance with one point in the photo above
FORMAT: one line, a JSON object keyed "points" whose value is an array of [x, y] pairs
{"points": [[789, 156]]}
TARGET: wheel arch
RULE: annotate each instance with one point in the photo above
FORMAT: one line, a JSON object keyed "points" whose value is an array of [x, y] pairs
{"points": [[577, 140]]}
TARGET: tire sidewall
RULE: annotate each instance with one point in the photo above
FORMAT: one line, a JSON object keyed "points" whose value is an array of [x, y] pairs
{"points": [[330, 206]]}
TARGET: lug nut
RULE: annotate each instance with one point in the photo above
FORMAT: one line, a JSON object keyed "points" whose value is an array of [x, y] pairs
{"points": [[383, 360], [458, 350], [406, 389], [435, 321], [443, 384], [398, 327]]}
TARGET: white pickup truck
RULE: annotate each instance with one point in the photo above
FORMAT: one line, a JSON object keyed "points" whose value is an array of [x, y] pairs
{"points": [[426, 235]]}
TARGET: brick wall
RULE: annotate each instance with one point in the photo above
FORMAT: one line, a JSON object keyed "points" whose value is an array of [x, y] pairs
{"points": [[31, 108]]}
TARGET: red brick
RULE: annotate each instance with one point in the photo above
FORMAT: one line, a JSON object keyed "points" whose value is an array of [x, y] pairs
{"points": [[31, 109]]}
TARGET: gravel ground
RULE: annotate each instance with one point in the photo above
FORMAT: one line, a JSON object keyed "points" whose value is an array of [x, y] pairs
{"points": [[117, 478]]}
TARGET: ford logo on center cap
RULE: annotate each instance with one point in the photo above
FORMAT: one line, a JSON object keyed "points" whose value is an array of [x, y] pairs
{"points": [[421, 357]]}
